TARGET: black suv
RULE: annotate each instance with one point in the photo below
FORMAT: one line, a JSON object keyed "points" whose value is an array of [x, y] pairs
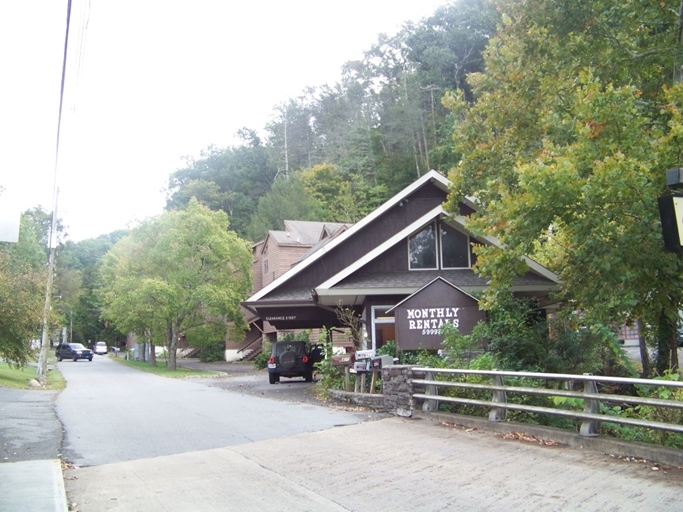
{"points": [[292, 359], [73, 351]]}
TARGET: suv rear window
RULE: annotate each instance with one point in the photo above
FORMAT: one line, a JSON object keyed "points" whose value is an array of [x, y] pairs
{"points": [[298, 348]]}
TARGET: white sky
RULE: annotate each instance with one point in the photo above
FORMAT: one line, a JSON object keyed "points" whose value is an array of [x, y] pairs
{"points": [[153, 81]]}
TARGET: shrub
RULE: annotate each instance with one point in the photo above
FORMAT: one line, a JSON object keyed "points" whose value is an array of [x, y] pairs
{"points": [[651, 413], [332, 377], [212, 352], [261, 360]]}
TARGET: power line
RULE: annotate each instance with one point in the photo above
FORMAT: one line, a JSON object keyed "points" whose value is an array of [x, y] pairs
{"points": [[42, 360]]}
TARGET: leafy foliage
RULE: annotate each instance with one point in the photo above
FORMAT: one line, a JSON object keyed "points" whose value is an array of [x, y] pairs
{"points": [[180, 272], [650, 413], [372, 133], [576, 119], [22, 290]]}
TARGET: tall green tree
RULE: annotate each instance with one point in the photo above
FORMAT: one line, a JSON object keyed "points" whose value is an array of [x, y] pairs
{"points": [[230, 179], [342, 198], [176, 273], [23, 279], [287, 200], [77, 278], [576, 121]]}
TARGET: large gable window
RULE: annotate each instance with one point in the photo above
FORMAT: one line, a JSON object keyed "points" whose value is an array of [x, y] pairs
{"points": [[422, 249], [426, 251], [455, 248]]}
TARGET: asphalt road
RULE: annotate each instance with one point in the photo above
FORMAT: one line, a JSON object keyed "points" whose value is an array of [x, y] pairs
{"points": [[112, 413], [138, 448]]}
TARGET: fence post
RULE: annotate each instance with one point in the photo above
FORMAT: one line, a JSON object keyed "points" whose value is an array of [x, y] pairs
{"points": [[430, 405], [499, 397], [590, 428]]}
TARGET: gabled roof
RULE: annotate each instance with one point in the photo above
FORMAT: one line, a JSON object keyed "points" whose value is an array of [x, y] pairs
{"points": [[432, 176], [305, 233], [347, 279], [401, 235], [438, 278]]}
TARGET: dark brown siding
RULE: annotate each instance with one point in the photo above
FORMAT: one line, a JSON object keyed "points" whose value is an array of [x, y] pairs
{"points": [[383, 228]]}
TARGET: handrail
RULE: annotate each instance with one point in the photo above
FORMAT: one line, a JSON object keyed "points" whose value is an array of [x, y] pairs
{"points": [[657, 402], [248, 345], [559, 376], [590, 416]]}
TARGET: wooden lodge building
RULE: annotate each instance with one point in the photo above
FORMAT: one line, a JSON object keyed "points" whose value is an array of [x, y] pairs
{"points": [[405, 269]]}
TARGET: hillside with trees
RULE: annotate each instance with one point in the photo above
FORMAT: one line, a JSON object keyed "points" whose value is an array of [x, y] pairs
{"points": [[348, 146]]}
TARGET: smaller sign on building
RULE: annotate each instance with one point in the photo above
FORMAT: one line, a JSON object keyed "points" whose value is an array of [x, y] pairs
{"points": [[419, 318]]}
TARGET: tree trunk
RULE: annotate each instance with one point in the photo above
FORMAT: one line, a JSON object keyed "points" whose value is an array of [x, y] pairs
{"points": [[666, 343], [152, 351], [172, 345], [673, 348], [644, 354]]}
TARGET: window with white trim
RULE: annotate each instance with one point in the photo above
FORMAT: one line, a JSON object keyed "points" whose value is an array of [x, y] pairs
{"points": [[426, 251]]}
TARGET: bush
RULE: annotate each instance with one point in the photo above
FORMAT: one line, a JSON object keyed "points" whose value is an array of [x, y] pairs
{"points": [[332, 376], [212, 352], [261, 360], [651, 413]]}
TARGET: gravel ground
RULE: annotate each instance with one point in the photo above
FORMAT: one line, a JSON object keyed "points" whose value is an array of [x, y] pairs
{"points": [[245, 379]]}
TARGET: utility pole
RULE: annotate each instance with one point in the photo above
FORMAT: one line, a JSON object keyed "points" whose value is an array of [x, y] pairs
{"points": [[52, 238], [45, 338]]}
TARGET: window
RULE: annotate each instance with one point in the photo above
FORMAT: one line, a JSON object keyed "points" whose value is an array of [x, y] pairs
{"points": [[453, 248], [422, 249], [265, 266], [383, 328]]}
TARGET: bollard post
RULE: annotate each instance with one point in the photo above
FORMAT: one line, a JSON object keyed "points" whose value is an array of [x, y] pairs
{"points": [[499, 397]]}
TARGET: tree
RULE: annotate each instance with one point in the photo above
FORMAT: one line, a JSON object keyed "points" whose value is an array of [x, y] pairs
{"points": [[230, 179], [76, 281], [577, 119], [176, 273], [287, 200], [22, 289]]}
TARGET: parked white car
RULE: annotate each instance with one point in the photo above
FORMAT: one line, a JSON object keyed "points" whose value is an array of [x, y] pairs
{"points": [[100, 347]]}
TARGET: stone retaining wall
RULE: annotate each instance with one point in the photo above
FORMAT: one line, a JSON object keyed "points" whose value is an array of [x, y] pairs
{"points": [[396, 396]]}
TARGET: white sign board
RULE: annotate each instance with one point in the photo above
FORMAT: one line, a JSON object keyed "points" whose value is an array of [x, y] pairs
{"points": [[10, 217]]}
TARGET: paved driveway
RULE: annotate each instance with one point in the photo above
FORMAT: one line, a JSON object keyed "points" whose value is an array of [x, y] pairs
{"points": [[386, 465]]}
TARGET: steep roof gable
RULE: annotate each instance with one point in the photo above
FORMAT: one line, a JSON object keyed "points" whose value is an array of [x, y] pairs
{"points": [[312, 256], [304, 233], [431, 177]]}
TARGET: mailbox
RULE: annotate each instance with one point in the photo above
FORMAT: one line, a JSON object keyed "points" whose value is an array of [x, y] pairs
{"points": [[362, 366], [365, 354], [381, 361], [363, 361], [343, 360]]}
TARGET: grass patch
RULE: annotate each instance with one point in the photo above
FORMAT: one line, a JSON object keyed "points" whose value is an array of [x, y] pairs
{"points": [[161, 369], [18, 378]]}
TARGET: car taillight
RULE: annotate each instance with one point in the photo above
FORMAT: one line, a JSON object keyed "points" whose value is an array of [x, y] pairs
{"points": [[305, 359], [271, 360]]}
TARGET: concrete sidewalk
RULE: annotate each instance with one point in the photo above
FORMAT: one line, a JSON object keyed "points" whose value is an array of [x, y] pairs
{"points": [[32, 486], [386, 465]]}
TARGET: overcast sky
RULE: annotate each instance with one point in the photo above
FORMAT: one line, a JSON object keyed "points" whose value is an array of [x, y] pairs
{"points": [[151, 81]]}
